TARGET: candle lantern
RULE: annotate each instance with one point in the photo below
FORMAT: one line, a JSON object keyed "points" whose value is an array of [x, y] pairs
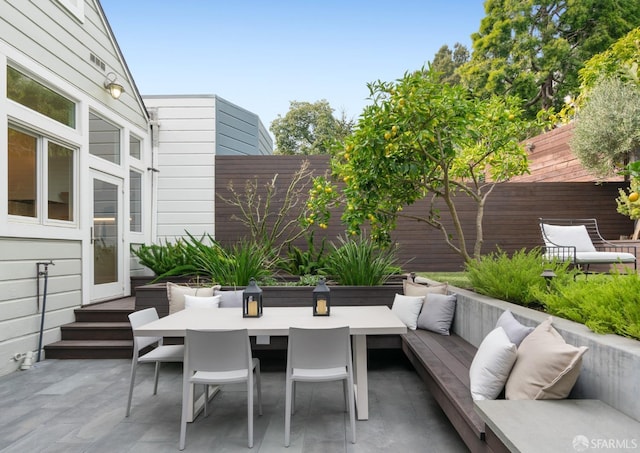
{"points": [[252, 300], [321, 299]]}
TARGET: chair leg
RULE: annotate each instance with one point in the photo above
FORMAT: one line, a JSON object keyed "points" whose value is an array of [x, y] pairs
{"points": [[352, 409], [155, 378], [345, 390], [250, 409], [288, 403], [206, 400], [259, 386], [134, 366], [185, 410]]}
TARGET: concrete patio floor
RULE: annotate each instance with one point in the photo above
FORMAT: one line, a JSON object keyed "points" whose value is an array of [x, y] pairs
{"points": [[79, 406]]}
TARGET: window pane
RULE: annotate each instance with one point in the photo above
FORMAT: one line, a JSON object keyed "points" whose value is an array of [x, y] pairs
{"points": [[134, 147], [60, 182], [135, 201], [105, 232], [38, 97], [104, 139], [22, 178]]}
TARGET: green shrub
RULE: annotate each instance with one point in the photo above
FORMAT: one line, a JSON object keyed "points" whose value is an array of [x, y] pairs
{"points": [[360, 263], [162, 259], [304, 262], [604, 305], [514, 278]]}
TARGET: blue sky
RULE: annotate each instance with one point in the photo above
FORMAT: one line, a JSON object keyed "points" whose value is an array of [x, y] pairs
{"points": [[261, 55]]}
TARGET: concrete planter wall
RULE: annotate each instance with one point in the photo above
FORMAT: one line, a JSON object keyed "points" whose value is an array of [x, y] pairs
{"points": [[610, 368]]}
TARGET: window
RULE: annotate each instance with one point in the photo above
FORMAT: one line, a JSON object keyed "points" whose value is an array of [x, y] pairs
{"points": [[134, 147], [104, 139], [26, 91], [26, 188], [23, 174], [135, 201], [59, 182]]}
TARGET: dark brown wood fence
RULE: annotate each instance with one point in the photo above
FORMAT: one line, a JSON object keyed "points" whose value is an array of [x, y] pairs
{"points": [[510, 220]]}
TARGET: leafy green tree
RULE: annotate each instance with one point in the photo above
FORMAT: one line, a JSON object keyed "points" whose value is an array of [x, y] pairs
{"points": [[607, 129], [447, 62], [421, 137], [534, 49], [309, 128], [621, 60]]}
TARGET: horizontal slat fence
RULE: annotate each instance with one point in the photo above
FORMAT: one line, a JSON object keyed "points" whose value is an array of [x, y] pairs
{"points": [[510, 220]]}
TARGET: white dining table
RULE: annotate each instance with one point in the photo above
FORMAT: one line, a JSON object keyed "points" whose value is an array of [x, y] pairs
{"points": [[275, 321]]}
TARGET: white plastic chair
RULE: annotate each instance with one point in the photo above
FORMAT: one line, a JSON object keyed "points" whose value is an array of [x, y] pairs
{"points": [[219, 357], [317, 355], [160, 353]]}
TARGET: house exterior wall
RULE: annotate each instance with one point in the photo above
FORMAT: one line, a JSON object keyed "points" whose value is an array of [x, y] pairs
{"points": [[20, 311], [52, 42], [192, 130]]}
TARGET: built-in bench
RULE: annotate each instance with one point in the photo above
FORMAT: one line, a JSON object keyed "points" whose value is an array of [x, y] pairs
{"points": [[443, 363], [607, 385]]}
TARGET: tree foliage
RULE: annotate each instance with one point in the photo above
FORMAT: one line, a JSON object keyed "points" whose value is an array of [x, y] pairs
{"points": [[534, 48], [447, 61], [621, 61], [607, 130], [421, 137], [309, 128]]}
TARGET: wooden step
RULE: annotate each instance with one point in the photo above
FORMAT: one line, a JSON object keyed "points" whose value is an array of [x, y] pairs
{"points": [[89, 349], [102, 315], [97, 331]]}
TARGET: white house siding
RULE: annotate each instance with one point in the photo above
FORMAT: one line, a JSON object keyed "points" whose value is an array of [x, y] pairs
{"points": [[185, 147], [20, 310], [50, 44]]}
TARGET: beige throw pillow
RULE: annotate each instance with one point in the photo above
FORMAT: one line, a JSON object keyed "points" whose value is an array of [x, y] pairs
{"points": [[546, 366], [176, 293], [416, 289]]}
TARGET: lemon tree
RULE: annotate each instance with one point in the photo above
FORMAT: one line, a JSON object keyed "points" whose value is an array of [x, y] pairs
{"points": [[421, 138]]}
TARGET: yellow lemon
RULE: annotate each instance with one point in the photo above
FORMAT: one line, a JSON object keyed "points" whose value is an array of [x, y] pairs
{"points": [[633, 196]]}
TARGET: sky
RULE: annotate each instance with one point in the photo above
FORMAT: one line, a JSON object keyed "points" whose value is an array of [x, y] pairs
{"points": [[261, 55]]}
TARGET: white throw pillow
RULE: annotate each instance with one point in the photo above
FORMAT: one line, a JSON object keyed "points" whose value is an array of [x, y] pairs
{"points": [[176, 293], [568, 236], [201, 302], [491, 365], [407, 308]]}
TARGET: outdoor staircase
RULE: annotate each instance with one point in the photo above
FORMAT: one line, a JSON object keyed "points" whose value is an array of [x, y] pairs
{"points": [[101, 331]]}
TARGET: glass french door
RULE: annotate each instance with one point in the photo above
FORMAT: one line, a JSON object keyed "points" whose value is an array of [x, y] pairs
{"points": [[106, 238]]}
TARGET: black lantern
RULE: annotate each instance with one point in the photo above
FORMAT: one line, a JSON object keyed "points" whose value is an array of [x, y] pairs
{"points": [[321, 299], [252, 300]]}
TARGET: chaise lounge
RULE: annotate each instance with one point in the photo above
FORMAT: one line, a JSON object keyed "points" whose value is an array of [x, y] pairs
{"points": [[580, 242]]}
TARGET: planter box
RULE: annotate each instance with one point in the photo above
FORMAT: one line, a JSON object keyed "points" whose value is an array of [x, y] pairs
{"points": [[610, 367]]}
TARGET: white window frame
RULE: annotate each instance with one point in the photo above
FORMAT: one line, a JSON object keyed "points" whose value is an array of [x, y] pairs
{"points": [[42, 181]]}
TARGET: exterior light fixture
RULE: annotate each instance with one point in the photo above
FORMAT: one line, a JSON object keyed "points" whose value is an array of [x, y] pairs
{"points": [[114, 89], [548, 275], [252, 300], [321, 300]]}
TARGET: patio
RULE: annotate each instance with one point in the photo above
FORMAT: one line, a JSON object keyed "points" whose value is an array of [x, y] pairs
{"points": [[79, 406]]}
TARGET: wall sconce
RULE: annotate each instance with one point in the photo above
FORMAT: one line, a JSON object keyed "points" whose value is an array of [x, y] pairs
{"points": [[114, 89]]}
